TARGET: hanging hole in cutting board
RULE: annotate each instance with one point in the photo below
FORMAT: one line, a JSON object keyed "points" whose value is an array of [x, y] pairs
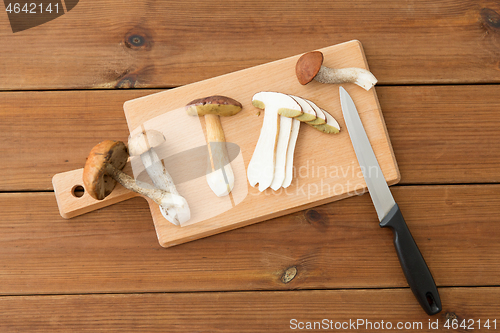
{"points": [[78, 191]]}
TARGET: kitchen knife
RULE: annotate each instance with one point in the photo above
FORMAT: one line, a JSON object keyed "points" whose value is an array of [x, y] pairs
{"points": [[413, 264]]}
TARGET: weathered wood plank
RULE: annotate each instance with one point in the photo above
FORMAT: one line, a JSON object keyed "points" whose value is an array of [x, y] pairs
{"points": [[440, 134], [338, 245], [356, 310], [41, 132], [443, 134], [159, 44]]}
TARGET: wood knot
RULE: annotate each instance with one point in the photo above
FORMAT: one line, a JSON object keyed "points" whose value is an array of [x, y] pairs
{"points": [[315, 219], [491, 18], [127, 82], [138, 39], [450, 316], [289, 274]]}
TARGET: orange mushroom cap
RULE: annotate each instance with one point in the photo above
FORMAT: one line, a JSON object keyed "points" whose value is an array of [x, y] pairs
{"points": [[308, 66]]}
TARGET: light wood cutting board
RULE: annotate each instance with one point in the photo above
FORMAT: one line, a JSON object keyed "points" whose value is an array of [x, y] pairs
{"points": [[325, 164]]}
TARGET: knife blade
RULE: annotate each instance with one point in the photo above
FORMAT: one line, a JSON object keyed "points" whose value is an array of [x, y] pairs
{"points": [[415, 269]]}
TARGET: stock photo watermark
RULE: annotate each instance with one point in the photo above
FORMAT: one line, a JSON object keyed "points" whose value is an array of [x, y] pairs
{"points": [[330, 180], [24, 15]]}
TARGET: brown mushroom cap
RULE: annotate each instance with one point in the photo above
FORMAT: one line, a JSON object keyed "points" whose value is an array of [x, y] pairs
{"points": [[220, 105], [308, 66], [95, 178]]}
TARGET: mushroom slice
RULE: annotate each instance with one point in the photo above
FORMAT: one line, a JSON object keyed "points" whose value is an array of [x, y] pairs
{"points": [[262, 165], [324, 121], [309, 113], [290, 152], [281, 151], [331, 126], [321, 118]]}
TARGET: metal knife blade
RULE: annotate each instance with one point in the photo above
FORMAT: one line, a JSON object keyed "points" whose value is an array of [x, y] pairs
{"points": [[412, 262], [375, 181]]}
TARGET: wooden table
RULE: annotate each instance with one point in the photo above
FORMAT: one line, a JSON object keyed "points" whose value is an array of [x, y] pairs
{"points": [[63, 86]]}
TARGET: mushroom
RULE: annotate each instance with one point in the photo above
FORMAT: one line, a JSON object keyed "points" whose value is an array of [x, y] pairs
{"points": [[103, 169], [287, 181], [324, 121], [330, 127], [309, 113], [321, 118], [143, 144], [268, 163], [310, 66], [221, 176]]}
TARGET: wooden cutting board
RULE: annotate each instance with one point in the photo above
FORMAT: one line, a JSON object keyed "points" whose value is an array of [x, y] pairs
{"points": [[325, 164]]}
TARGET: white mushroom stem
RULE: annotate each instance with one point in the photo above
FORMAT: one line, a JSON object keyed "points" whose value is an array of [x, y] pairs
{"points": [[285, 130], [220, 179], [359, 76], [177, 214], [142, 144], [261, 167], [290, 153], [157, 172], [162, 198]]}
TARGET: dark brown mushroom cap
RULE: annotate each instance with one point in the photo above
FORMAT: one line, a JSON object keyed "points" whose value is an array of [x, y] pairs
{"points": [[95, 179], [219, 105], [308, 66]]}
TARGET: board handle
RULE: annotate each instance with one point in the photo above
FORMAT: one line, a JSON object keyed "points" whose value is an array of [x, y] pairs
{"points": [[73, 200]]}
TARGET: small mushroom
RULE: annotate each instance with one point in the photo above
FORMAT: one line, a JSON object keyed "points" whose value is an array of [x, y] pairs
{"points": [[220, 177], [143, 145], [103, 169], [310, 66]]}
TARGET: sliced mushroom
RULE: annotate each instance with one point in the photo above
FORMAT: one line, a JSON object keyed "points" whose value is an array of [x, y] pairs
{"points": [[285, 131], [310, 67], [290, 153], [309, 113], [103, 169], [275, 129], [324, 122], [143, 145], [331, 126], [321, 118]]}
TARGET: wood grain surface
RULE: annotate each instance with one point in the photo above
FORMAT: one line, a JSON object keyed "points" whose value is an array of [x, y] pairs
{"points": [[115, 250], [440, 134], [438, 68], [93, 46], [245, 312]]}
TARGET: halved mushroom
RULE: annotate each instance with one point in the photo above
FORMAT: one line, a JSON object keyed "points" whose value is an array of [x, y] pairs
{"points": [[271, 148]]}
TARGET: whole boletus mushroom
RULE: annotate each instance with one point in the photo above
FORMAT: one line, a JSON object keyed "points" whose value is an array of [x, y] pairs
{"points": [[103, 169]]}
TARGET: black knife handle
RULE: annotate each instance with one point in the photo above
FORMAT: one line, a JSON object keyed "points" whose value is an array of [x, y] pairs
{"points": [[416, 271]]}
